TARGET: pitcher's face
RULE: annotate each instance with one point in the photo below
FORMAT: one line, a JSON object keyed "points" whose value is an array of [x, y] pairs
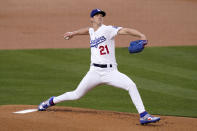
{"points": [[97, 19]]}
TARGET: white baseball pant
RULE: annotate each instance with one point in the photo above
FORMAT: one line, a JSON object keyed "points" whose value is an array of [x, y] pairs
{"points": [[109, 76]]}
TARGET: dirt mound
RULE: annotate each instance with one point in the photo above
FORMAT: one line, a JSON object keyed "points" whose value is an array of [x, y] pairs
{"points": [[77, 119]]}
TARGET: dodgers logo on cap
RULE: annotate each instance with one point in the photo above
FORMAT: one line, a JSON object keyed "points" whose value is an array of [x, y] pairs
{"points": [[97, 11]]}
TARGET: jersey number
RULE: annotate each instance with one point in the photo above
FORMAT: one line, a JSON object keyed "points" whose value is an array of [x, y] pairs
{"points": [[104, 50]]}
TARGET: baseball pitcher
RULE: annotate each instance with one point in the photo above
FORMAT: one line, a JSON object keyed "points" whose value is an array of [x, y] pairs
{"points": [[103, 66]]}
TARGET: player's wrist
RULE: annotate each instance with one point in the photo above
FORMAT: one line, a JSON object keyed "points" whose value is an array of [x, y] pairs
{"points": [[74, 33], [143, 37]]}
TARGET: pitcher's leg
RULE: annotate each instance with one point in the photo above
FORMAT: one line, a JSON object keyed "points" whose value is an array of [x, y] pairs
{"points": [[122, 81], [136, 98], [88, 82]]}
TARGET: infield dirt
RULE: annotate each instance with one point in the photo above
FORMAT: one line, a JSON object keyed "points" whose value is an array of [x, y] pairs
{"points": [[27, 24], [77, 119]]}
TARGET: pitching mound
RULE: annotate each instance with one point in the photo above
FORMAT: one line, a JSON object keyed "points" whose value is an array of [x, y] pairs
{"points": [[78, 119]]}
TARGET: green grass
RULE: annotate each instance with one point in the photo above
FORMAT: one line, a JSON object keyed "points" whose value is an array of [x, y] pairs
{"points": [[166, 78]]}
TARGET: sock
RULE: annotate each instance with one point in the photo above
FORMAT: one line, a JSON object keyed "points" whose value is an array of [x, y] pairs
{"points": [[143, 114], [51, 101]]}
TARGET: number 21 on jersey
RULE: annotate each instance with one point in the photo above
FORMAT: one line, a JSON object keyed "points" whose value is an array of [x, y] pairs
{"points": [[104, 50]]}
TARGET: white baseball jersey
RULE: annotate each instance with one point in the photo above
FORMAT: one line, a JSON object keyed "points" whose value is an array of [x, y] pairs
{"points": [[103, 45]]}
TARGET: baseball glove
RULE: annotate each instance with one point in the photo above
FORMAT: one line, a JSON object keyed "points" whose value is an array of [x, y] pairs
{"points": [[137, 46]]}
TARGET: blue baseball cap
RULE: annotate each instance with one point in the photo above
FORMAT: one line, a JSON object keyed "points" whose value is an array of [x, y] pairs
{"points": [[97, 11]]}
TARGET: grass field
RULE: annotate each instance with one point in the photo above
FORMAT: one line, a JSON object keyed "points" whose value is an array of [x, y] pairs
{"points": [[166, 78]]}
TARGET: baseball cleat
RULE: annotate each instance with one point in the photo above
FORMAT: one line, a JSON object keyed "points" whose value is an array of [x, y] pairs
{"points": [[44, 105], [148, 119]]}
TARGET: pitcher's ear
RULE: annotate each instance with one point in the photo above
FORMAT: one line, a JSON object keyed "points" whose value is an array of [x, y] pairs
{"points": [[91, 20]]}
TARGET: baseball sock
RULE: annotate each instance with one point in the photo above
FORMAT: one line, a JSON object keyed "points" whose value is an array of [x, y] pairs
{"points": [[51, 101], [143, 114]]}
